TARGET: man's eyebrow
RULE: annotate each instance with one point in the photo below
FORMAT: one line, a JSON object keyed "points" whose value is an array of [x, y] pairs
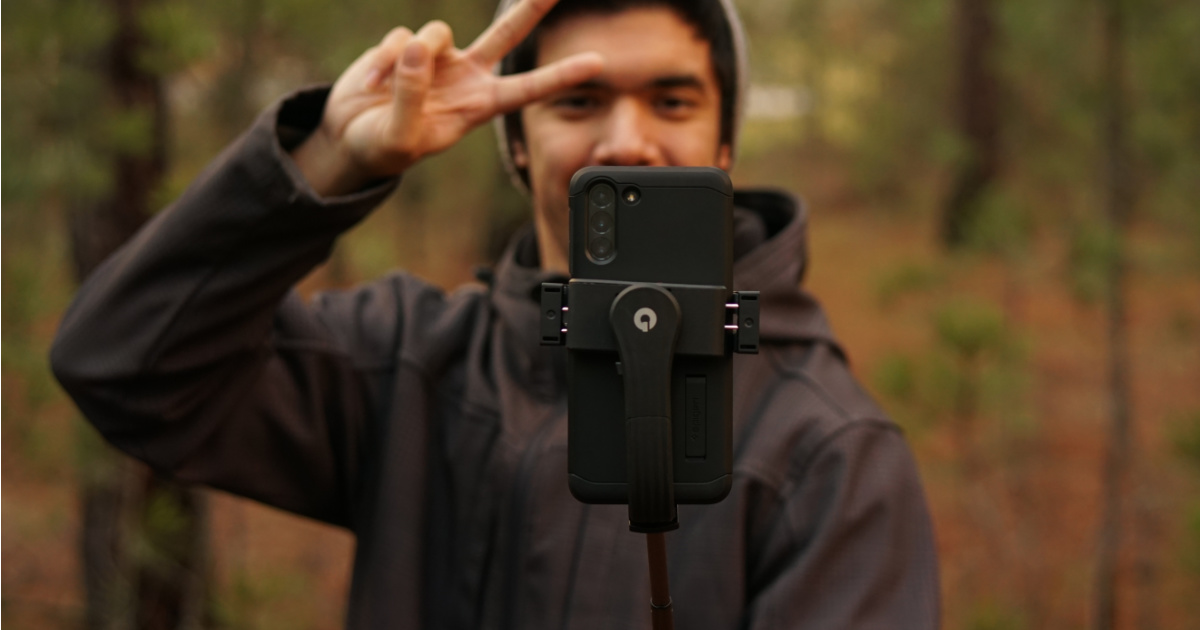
{"points": [[592, 84], [663, 82], [677, 81]]}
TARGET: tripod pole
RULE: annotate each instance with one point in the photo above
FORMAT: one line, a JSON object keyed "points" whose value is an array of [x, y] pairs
{"points": [[661, 614]]}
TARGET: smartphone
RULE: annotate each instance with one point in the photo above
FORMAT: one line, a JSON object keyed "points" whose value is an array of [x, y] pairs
{"points": [[671, 226]]}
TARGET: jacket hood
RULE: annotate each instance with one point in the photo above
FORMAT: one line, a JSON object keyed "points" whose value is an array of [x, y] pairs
{"points": [[770, 256], [775, 267]]}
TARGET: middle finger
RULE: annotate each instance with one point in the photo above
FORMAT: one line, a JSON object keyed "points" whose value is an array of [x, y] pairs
{"points": [[509, 29]]}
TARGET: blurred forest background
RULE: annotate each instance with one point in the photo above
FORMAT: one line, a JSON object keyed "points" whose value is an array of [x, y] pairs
{"points": [[1004, 225]]}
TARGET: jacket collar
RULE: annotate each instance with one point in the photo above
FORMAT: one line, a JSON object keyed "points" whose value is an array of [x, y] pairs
{"points": [[771, 256]]}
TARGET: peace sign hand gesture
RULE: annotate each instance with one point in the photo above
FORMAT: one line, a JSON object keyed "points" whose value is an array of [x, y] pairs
{"points": [[414, 95]]}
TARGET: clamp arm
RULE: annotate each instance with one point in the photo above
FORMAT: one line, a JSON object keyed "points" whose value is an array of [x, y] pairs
{"points": [[645, 319]]}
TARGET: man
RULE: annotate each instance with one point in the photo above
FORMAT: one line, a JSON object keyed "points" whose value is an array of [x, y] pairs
{"points": [[433, 425]]}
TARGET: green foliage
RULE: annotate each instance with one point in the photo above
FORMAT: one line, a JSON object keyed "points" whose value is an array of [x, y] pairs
{"points": [[1185, 442], [947, 147], [950, 391], [896, 377], [1191, 553], [982, 373], [1001, 227], [51, 98], [874, 71], [1164, 57], [911, 387], [34, 291], [907, 278], [907, 134], [882, 79], [49, 29], [275, 600], [129, 133], [1186, 439], [990, 615], [1183, 325], [970, 328], [177, 36], [166, 534], [975, 370], [1093, 251], [95, 460]]}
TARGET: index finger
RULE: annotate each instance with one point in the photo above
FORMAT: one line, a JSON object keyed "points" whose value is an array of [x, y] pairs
{"points": [[518, 90], [509, 30]]}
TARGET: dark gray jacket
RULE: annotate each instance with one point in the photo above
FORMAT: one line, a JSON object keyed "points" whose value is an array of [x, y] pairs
{"points": [[432, 425]]}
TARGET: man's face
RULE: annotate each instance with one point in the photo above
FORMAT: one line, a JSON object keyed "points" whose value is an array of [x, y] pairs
{"points": [[657, 103]]}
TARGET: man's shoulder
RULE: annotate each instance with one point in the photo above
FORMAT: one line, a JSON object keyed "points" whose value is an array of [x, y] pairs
{"points": [[808, 403], [401, 312]]}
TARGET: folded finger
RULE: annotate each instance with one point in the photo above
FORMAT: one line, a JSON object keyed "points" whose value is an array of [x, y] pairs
{"points": [[413, 76], [509, 29], [516, 91], [383, 58], [436, 36]]}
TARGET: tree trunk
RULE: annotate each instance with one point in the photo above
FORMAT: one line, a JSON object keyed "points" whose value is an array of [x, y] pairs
{"points": [[1147, 530], [1118, 204], [143, 536], [978, 119]]}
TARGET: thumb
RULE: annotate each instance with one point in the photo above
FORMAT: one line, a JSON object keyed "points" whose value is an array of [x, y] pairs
{"points": [[413, 76]]}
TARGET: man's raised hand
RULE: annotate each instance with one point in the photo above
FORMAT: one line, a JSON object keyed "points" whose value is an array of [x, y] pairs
{"points": [[415, 94]]}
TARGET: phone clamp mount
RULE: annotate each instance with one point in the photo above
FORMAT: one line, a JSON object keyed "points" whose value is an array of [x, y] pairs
{"points": [[646, 325]]}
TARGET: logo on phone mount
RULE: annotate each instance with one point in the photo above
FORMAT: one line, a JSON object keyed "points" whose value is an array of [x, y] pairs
{"points": [[645, 318]]}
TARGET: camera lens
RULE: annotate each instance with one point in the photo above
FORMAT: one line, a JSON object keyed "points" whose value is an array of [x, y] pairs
{"points": [[602, 196], [602, 222], [601, 248]]}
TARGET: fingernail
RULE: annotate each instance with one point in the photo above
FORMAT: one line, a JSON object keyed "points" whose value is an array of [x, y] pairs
{"points": [[414, 55]]}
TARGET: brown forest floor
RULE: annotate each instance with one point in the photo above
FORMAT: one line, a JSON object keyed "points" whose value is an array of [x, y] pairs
{"points": [[1015, 502]]}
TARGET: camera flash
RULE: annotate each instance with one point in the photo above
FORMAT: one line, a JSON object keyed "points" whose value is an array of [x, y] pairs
{"points": [[631, 195]]}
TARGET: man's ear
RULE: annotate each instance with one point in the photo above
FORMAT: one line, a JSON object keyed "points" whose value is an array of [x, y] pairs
{"points": [[520, 156], [724, 157]]}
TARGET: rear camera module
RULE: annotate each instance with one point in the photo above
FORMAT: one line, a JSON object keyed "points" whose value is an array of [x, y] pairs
{"points": [[602, 222], [601, 248], [602, 196]]}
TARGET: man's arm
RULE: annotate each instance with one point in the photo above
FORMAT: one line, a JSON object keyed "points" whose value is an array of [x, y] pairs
{"points": [[178, 349], [182, 349], [852, 543]]}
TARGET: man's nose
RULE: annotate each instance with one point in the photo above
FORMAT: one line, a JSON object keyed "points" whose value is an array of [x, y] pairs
{"points": [[628, 138]]}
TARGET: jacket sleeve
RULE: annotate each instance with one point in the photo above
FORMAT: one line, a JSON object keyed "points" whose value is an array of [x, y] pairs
{"points": [[852, 545], [186, 349]]}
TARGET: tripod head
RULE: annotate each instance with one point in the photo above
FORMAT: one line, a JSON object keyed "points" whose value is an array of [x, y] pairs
{"points": [[647, 324]]}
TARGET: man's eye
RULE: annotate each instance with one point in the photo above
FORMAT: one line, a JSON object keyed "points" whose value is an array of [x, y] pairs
{"points": [[675, 105], [576, 102]]}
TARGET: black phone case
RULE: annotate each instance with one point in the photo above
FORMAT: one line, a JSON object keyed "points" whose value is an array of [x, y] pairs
{"points": [[679, 232]]}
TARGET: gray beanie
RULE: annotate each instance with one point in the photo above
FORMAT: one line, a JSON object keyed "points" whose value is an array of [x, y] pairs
{"points": [[741, 68]]}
